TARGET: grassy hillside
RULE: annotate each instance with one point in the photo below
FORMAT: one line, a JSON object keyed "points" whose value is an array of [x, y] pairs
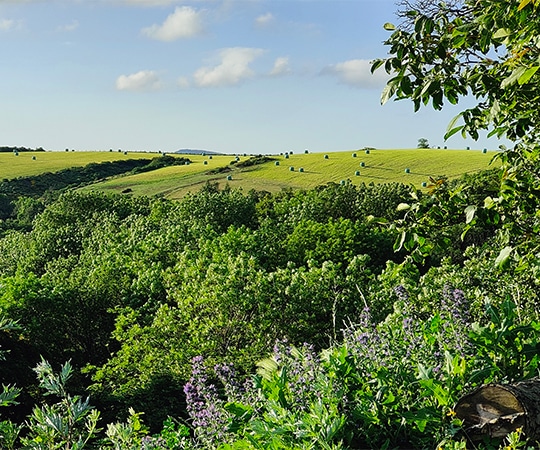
{"points": [[309, 170], [34, 163], [379, 166]]}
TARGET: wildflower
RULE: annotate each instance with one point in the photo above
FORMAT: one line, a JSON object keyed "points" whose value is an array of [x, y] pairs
{"points": [[401, 293]]}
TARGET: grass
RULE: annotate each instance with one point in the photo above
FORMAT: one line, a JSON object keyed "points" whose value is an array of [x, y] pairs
{"points": [[24, 165], [381, 166]]}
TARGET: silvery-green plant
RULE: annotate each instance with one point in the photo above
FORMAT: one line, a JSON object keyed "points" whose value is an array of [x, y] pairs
{"points": [[9, 432], [70, 423]]}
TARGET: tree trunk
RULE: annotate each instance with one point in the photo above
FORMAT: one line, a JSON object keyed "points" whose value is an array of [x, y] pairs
{"points": [[495, 410]]}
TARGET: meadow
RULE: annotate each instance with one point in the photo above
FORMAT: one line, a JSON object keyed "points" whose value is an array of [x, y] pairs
{"points": [[293, 171], [34, 163]]}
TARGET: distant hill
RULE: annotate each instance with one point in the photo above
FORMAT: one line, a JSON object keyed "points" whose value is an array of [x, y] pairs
{"points": [[192, 151]]}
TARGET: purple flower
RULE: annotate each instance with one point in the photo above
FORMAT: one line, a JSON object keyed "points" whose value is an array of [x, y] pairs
{"points": [[402, 293], [204, 406]]}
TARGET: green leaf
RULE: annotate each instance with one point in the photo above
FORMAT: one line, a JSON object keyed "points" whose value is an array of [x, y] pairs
{"points": [[527, 75], [389, 26], [403, 207], [470, 211], [513, 77], [423, 372], [504, 256], [501, 33], [489, 202], [389, 90], [399, 243], [453, 131], [452, 124], [376, 64]]}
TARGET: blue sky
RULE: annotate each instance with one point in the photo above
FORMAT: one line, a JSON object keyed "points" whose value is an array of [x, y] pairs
{"points": [[234, 76]]}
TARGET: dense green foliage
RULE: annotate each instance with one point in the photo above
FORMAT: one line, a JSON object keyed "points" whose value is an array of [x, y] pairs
{"points": [[489, 51], [133, 288], [363, 312]]}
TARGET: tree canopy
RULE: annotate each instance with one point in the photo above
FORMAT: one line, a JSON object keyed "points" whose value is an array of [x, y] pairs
{"points": [[490, 51], [482, 48]]}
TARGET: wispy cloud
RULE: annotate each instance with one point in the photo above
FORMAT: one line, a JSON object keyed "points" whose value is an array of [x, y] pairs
{"points": [[281, 67], [72, 26], [10, 24], [264, 19], [356, 73], [232, 68], [6, 24], [184, 22], [144, 80]]}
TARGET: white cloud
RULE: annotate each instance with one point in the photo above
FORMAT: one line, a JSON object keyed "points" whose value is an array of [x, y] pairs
{"points": [[184, 22], [232, 69], [144, 80], [6, 24], [356, 73], [264, 19], [69, 27], [281, 67]]}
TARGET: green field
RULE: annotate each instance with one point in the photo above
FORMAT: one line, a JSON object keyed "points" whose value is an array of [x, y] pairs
{"points": [[24, 164], [380, 166], [296, 171]]}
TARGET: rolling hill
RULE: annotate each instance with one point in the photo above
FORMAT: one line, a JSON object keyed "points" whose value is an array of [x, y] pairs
{"points": [[270, 173], [303, 171]]}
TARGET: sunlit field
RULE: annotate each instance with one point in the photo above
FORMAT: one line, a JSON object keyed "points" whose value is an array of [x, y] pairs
{"points": [[296, 171], [33, 163]]}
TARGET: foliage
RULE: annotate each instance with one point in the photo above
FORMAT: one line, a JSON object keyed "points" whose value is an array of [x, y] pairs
{"points": [[4, 149], [219, 208], [226, 275], [253, 161], [486, 49], [489, 50], [69, 423], [389, 385], [423, 143]]}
